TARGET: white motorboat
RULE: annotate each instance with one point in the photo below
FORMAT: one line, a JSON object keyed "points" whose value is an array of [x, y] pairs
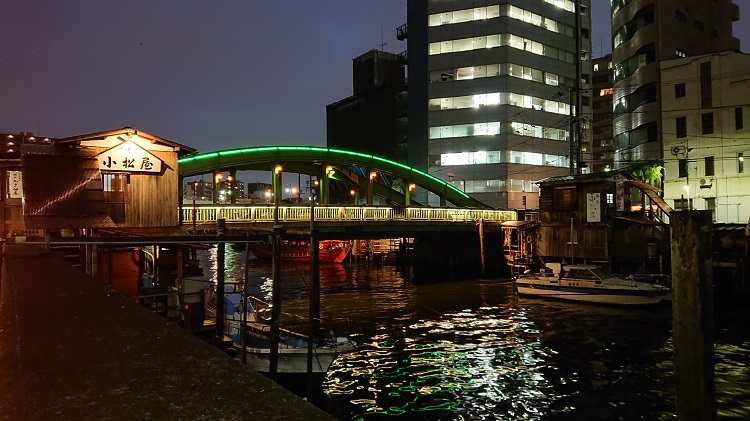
{"points": [[589, 283]]}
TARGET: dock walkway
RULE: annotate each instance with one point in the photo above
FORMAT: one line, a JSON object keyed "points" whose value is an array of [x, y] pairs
{"points": [[70, 348]]}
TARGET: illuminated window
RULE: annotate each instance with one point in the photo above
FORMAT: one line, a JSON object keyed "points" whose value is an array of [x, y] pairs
{"points": [[115, 186], [498, 98], [496, 157], [498, 40], [605, 92]]}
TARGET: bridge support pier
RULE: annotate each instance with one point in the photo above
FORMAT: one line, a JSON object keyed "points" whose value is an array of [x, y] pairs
{"points": [[439, 257]]}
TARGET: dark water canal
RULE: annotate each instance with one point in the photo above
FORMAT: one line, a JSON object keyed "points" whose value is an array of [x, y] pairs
{"points": [[473, 349]]}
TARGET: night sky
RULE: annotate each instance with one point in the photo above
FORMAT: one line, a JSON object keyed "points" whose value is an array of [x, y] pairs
{"points": [[210, 75]]}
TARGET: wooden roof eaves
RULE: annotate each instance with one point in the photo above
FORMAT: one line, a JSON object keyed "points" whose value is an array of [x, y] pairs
{"points": [[185, 150]]}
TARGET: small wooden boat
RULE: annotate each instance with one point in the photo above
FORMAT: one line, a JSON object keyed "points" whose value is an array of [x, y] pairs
{"points": [[588, 283], [330, 251], [293, 346]]}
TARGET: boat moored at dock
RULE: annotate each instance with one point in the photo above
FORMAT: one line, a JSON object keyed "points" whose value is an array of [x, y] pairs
{"points": [[588, 283], [292, 346]]}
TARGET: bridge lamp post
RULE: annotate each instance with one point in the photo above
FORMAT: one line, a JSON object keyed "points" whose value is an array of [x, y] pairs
{"points": [[195, 192], [373, 176], [325, 183], [229, 188], [312, 186], [277, 170], [353, 194], [217, 180], [409, 191]]}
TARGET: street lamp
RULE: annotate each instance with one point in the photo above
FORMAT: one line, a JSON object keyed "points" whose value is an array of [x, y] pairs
{"points": [[291, 190], [217, 178], [195, 192], [463, 181]]}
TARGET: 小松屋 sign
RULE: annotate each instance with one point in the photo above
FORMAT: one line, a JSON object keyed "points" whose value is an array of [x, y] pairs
{"points": [[129, 157]]}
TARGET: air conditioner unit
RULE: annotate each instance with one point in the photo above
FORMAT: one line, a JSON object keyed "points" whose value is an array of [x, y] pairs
{"points": [[706, 183]]}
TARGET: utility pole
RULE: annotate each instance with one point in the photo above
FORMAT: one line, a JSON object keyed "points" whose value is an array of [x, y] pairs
{"points": [[578, 85], [575, 97]]}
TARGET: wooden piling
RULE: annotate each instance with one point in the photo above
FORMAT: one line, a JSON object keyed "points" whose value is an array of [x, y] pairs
{"points": [[273, 354], [314, 305], [692, 315], [220, 264], [482, 268]]}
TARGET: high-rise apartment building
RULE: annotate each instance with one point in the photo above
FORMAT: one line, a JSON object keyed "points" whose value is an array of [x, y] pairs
{"points": [[503, 83], [644, 33]]}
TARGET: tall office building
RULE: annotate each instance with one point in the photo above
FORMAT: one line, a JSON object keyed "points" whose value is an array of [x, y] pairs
{"points": [[601, 123], [644, 33], [501, 94]]}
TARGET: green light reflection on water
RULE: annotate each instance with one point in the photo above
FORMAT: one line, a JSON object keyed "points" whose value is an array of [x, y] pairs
{"points": [[486, 363]]}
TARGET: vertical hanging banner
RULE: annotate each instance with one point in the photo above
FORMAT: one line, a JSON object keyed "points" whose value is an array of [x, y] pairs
{"points": [[593, 207], [15, 185]]}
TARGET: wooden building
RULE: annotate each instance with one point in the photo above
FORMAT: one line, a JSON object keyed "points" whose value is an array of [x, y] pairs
{"points": [[120, 183], [117, 179], [608, 218]]}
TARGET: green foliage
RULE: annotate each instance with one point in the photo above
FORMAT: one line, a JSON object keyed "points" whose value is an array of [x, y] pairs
{"points": [[646, 171]]}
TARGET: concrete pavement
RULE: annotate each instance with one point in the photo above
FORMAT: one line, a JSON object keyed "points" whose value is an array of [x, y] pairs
{"points": [[70, 348]]}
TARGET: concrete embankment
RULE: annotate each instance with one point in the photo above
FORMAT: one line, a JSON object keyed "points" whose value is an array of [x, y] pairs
{"points": [[70, 348]]}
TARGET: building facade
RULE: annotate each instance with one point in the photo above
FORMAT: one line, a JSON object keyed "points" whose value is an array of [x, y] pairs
{"points": [[644, 33], [501, 94], [601, 122], [706, 132], [373, 120]]}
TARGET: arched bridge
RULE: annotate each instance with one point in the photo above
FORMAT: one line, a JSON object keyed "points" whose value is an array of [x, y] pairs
{"points": [[376, 176]]}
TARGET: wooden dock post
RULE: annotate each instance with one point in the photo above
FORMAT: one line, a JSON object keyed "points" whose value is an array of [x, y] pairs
{"points": [[482, 264], [221, 230], [692, 315], [273, 354], [314, 305]]}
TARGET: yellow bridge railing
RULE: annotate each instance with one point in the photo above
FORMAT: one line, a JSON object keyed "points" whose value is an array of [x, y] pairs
{"points": [[341, 213]]}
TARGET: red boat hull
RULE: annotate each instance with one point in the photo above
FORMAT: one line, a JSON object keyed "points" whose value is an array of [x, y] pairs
{"points": [[330, 251]]}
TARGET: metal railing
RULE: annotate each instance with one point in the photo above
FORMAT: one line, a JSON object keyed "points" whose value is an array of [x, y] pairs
{"points": [[341, 213]]}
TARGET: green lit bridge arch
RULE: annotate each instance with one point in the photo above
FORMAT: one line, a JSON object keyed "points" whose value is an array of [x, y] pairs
{"points": [[325, 164]]}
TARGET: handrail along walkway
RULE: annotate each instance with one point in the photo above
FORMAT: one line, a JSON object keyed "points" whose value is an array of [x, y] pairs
{"points": [[342, 213]]}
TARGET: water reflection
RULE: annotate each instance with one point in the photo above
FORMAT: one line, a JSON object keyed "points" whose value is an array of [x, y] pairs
{"points": [[471, 362], [474, 350]]}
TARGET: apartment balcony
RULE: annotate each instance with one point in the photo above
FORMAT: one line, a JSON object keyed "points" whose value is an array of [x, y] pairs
{"points": [[401, 33]]}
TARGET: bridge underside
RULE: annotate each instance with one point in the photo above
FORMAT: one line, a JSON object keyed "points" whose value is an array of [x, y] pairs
{"points": [[374, 175], [255, 231]]}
